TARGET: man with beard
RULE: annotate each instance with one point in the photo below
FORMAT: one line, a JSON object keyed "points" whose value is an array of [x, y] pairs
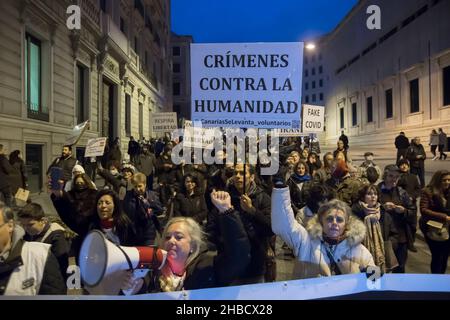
{"points": [[66, 162], [253, 206]]}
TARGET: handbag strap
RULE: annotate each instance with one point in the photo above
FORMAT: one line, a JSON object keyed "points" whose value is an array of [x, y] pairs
{"points": [[333, 265]]}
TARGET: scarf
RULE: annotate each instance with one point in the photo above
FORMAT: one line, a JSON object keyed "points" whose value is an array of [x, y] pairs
{"points": [[300, 179], [106, 224], [374, 241]]}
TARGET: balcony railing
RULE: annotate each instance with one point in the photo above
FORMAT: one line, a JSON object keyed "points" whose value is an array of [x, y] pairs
{"points": [[37, 113]]}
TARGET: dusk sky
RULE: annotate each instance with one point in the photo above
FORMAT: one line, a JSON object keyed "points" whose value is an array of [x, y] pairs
{"points": [[257, 20]]}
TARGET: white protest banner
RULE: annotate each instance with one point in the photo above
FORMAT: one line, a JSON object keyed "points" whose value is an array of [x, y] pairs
{"points": [[291, 133], [76, 133], [163, 122], [313, 118], [247, 85], [95, 147], [197, 136]]}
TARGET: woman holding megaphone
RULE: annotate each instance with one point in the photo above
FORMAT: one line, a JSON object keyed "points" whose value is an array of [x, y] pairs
{"points": [[189, 265]]}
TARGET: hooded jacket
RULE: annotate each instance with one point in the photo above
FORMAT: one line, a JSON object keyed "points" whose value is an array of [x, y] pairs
{"points": [[308, 244]]}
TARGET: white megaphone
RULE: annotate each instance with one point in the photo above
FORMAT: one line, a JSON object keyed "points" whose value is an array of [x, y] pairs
{"points": [[103, 264]]}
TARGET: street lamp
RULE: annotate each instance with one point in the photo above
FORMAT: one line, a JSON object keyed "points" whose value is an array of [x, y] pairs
{"points": [[310, 46]]}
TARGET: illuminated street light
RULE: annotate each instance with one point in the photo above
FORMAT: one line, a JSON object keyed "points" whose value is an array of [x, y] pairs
{"points": [[310, 46]]}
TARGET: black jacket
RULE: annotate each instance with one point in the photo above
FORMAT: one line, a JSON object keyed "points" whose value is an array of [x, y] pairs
{"points": [[405, 223], [52, 280], [411, 184], [401, 142], [6, 169], [413, 152], [143, 212], [298, 197], [257, 225], [208, 270], [190, 206]]}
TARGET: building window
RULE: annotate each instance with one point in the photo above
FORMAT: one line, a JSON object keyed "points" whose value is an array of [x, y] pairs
{"points": [[354, 114], [341, 117], [446, 85], [103, 5], [122, 25], [128, 114], [306, 99], [306, 60], [176, 89], [414, 95], [314, 98], [369, 109], [313, 71], [176, 68], [314, 84], [320, 56], [82, 96], [321, 96], [320, 69], [33, 79], [321, 83], [306, 85], [389, 104], [176, 51], [306, 72]]}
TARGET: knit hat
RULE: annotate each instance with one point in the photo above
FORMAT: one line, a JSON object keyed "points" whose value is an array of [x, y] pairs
{"points": [[77, 168], [403, 161]]}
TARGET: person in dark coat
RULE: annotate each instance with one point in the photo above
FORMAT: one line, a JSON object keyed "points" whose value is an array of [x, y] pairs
{"points": [[114, 154], [134, 149], [253, 206], [396, 202], [344, 139], [146, 163], [402, 144], [19, 178], [298, 183], [37, 227], [189, 265], [143, 207], [26, 268], [190, 202], [66, 162], [416, 156], [408, 181], [435, 206], [6, 170], [442, 144], [76, 208]]}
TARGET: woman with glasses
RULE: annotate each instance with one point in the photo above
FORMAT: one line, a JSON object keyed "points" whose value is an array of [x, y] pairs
{"points": [[330, 244]]}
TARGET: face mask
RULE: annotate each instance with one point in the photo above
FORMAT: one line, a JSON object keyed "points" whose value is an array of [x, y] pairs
{"points": [[80, 187]]}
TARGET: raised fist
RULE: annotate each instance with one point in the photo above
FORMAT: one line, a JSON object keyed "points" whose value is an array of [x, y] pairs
{"points": [[222, 200]]}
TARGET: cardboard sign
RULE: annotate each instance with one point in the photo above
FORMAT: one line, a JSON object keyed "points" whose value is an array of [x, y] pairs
{"points": [[95, 147], [22, 194], [247, 85], [163, 122], [313, 118], [198, 137]]}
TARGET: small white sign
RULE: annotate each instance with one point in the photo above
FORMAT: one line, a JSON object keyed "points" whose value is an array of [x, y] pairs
{"points": [[313, 118], [95, 147], [291, 133], [197, 136], [163, 122]]}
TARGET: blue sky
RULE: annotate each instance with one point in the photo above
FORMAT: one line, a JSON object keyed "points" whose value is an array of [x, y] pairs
{"points": [[257, 20]]}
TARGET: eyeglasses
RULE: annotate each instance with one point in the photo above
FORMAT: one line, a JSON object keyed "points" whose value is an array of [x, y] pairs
{"points": [[339, 219]]}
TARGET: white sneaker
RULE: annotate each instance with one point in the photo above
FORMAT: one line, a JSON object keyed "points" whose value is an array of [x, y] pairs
{"points": [[434, 158]]}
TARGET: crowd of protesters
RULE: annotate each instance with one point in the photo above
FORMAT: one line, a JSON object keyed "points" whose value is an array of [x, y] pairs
{"points": [[335, 217]]}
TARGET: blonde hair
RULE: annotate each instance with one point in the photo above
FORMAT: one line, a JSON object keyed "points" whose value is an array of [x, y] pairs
{"points": [[197, 241], [138, 178]]}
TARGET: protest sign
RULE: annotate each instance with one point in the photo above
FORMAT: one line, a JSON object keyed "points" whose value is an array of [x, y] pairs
{"points": [[163, 122], [247, 85], [197, 136], [95, 147], [313, 118]]}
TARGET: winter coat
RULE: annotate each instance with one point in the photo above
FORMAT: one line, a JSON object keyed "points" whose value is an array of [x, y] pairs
{"points": [[443, 139], [348, 189], [190, 206], [30, 269], [133, 147], [146, 163], [433, 208], [18, 177], [405, 223], [298, 186], [257, 226], [53, 234], [412, 153], [143, 212], [401, 142], [66, 164], [6, 170], [126, 235], [410, 182], [208, 270], [322, 175], [434, 139], [309, 246]]}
